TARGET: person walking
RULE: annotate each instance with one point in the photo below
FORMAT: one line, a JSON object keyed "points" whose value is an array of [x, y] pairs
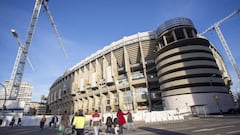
{"points": [[64, 122], [54, 121], [116, 126], [109, 124], [19, 122], [12, 122], [121, 120], [130, 123], [79, 123], [73, 127], [42, 122], [96, 122]]}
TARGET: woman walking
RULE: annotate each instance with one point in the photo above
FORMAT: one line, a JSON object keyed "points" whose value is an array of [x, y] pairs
{"points": [[64, 121], [42, 122], [121, 120]]}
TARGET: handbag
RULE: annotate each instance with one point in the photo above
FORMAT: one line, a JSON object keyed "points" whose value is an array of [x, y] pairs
{"points": [[60, 128]]}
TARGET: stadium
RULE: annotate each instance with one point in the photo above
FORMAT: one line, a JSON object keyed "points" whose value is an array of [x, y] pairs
{"points": [[170, 68]]}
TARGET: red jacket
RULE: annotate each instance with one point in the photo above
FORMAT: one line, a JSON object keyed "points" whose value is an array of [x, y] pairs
{"points": [[95, 117], [121, 119]]}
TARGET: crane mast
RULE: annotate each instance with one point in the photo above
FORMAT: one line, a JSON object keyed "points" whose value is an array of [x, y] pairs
{"points": [[223, 41], [22, 55], [18, 69], [229, 54]]}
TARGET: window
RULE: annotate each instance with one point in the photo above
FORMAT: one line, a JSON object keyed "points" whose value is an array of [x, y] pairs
{"points": [[169, 37], [179, 33], [141, 93], [189, 32], [156, 94], [128, 96], [137, 75]]}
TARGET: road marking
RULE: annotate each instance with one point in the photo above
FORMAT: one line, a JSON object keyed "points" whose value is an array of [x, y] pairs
{"points": [[233, 132], [225, 127], [161, 128], [210, 129], [182, 128], [202, 130], [234, 122], [142, 132]]}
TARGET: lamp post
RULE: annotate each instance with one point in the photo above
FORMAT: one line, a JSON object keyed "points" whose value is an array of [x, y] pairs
{"points": [[15, 35]]}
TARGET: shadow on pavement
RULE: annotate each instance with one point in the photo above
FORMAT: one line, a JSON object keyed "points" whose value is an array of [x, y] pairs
{"points": [[28, 130], [158, 131]]}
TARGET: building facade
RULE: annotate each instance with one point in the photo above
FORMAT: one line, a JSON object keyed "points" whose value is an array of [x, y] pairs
{"points": [[168, 68], [25, 94], [37, 108]]}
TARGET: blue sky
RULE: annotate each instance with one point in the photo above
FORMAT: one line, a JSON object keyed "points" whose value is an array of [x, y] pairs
{"points": [[88, 25]]}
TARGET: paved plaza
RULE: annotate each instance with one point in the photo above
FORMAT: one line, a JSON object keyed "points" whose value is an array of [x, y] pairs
{"points": [[220, 125]]}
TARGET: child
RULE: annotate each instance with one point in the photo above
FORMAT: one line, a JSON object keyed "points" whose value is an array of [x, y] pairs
{"points": [[116, 126], [109, 125]]}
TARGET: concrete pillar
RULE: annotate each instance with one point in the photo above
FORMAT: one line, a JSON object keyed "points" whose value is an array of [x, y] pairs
{"points": [[115, 77], [103, 103], [165, 40], [145, 73], [185, 33], [174, 35]]}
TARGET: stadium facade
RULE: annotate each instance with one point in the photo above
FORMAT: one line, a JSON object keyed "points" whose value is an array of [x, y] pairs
{"points": [[170, 68]]}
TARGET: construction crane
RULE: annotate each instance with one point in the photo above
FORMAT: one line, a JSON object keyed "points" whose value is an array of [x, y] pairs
{"points": [[223, 41], [22, 55], [15, 35]]}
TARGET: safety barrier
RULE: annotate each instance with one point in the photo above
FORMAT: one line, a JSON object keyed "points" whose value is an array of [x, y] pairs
{"points": [[162, 116], [146, 116]]}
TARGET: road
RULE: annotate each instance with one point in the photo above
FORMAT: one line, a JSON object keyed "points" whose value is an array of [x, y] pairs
{"points": [[227, 125], [202, 126]]}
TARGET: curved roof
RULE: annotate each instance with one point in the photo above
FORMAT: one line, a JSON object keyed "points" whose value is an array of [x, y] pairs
{"points": [[115, 45], [140, 36], [178, 21]]}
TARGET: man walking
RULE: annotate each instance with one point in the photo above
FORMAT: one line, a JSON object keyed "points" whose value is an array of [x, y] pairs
{"points": [[79, 123], [54, 121], [96, 122]]}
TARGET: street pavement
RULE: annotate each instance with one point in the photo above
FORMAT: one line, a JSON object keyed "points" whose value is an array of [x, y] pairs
{"points": [[218, 125]]}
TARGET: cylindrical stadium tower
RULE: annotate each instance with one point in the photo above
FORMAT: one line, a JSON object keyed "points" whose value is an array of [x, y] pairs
{"points": [[187, 72]]}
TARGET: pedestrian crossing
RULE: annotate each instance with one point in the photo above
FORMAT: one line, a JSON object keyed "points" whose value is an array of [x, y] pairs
{"points": [[86, 132]]}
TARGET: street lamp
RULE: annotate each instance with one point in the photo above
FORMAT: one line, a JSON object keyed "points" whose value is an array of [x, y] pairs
{"points": [[15, 35]]}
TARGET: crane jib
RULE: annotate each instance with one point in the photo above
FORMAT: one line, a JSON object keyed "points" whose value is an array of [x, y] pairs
{"points": [[22, 55]]}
